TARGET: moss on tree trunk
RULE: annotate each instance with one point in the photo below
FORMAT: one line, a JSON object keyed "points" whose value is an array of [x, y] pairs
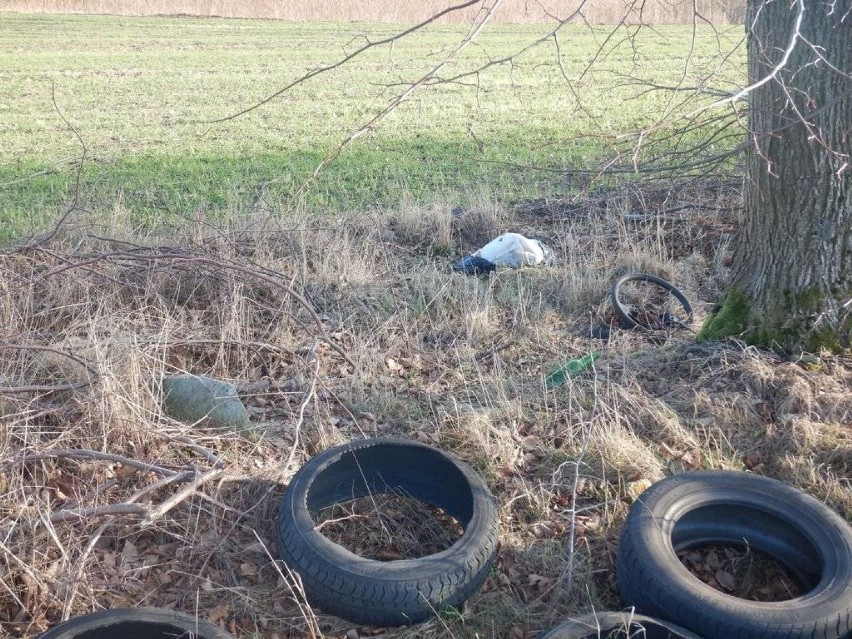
{"points": [[801, 329]]}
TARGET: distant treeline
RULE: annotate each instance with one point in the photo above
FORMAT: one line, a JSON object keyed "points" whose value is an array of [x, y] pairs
{"points": [[401, 11]]}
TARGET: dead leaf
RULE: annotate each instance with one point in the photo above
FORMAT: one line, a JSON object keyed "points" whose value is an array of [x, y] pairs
{"points": [[667, 452], [726, 580], [129, 556], [691, 459], [713, 561], [538, 580], [248, 570], [219, 614], [636, 488], [531, 443], [410, 362]]}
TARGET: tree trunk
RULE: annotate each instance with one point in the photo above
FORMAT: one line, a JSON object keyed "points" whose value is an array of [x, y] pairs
{"points": [[792, 266]]}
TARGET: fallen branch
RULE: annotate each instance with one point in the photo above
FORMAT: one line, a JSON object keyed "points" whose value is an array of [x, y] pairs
{"points": [[93, 512], [82, 453], [150, 513], [41, 388], [153, 514], [129, 507], [98, 511]]}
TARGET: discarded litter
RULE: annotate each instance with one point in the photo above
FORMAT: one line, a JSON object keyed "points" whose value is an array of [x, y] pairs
{"points": [[569, 369], [647, 302], [511, 250], [193, 398], [474, 265]]}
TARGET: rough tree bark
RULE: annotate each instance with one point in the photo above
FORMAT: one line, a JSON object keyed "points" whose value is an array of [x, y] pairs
{"points": [[792, 262]]}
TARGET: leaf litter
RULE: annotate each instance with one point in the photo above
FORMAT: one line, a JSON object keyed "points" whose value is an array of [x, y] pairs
{"points": [[452, 361]]}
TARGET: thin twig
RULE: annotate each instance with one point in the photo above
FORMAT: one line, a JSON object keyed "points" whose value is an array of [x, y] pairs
{"points": [[566, 578], [77, 575], [185, 493], [127, 507], [75, 203], [344, 60], [307, 400], [41, 388], [98, 511], [208, 454]]}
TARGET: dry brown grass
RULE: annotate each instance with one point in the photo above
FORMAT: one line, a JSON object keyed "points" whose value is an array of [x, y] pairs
{"points": [[389, 527], [436, 356], [513, 11]]}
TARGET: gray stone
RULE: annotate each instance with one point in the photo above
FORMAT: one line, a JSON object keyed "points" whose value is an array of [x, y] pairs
{"points": [[196, 398]]}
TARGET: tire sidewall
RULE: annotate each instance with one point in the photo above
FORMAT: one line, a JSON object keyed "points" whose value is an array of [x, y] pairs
{"points": [[76, 626], [338, 558], [652, 520]]}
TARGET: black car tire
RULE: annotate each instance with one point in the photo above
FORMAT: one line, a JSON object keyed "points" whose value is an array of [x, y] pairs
{"points": [[617, 625], [390, 593], [691, 510], [136, 623]]}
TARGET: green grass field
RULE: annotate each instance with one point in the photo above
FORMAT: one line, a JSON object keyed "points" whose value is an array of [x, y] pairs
{"points": [[138, 89], [354, 325]]}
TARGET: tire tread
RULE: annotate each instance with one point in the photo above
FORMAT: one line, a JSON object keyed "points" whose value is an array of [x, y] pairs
{"points": [[638, 586], [376, 600]]}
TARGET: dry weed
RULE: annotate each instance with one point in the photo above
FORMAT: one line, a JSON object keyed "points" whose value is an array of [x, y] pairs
{"points": [[402, 346]]}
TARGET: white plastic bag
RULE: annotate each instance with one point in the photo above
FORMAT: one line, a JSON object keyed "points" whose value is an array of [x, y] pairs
{"points": [[514, 250]]}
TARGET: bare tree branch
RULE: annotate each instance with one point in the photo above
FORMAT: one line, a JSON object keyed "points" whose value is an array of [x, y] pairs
{"points": [[304, 404], [344, 60], [82, 453], [75, 204], [399, 99], [157, 512]]}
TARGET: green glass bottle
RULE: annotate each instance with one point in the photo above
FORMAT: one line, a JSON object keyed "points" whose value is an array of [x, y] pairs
{"points": [[569, 369]]}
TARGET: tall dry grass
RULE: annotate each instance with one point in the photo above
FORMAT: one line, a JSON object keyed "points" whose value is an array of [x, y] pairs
{"points": [[392, 11], [436, 356]]}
